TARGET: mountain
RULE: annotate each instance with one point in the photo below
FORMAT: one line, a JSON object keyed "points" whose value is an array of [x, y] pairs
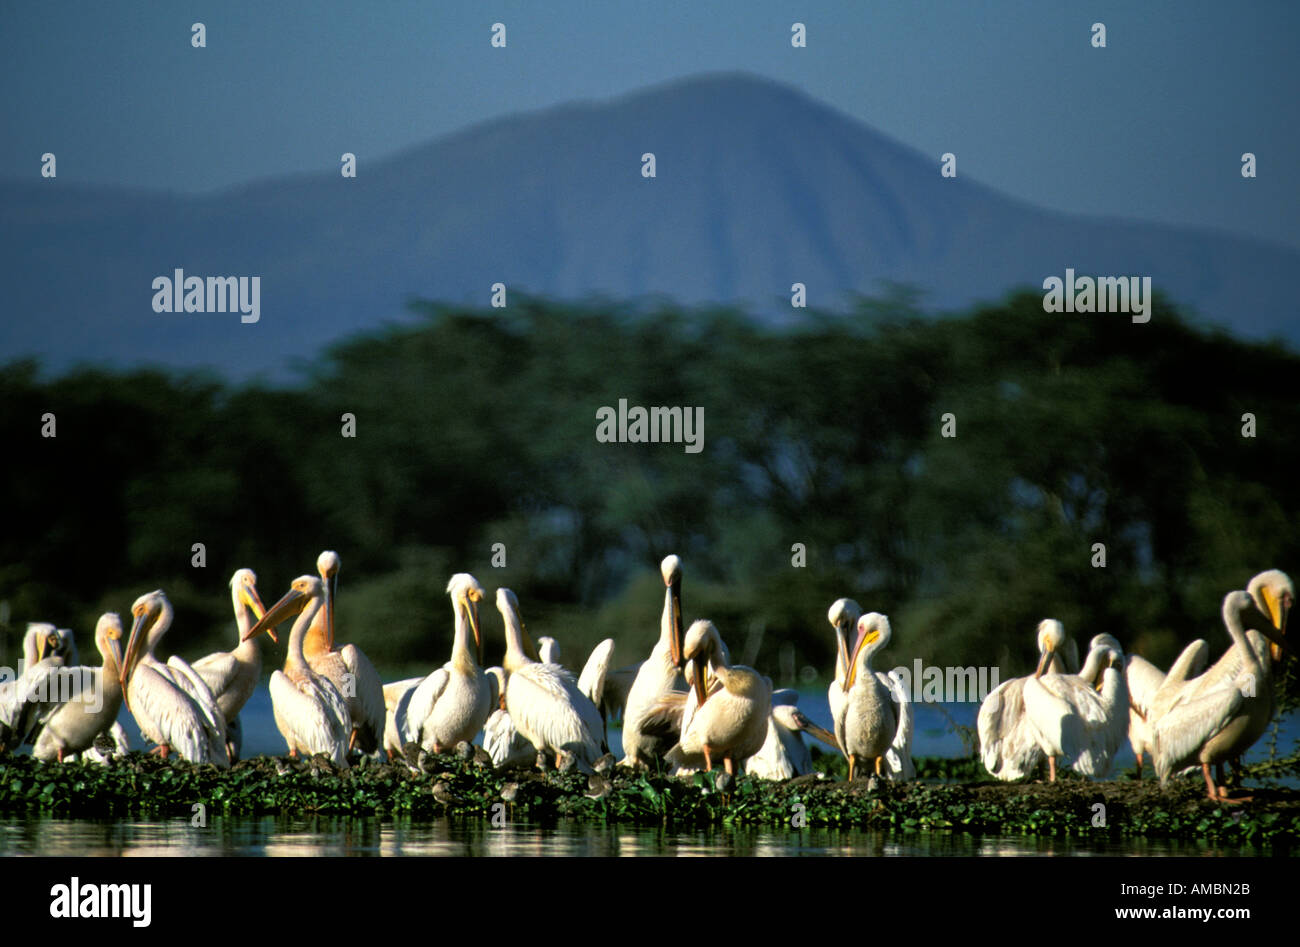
{"points": [[757, 187]]}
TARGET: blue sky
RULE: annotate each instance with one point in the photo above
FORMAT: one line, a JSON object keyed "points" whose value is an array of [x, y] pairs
{"points": [[1152, 127]]}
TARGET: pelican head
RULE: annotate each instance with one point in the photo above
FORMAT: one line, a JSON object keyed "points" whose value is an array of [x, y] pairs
{"points": [[301, 592], [844, 614], [702, 642], [151, 611], [466, 593], [671, 570], [108, 637], [243, 593], [1051, 636], [1273, 594], [873, 635], [1106, 641], [45, 639]]}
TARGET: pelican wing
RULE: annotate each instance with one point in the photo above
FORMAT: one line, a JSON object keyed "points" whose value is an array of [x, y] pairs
{"points": [[314, 713], [548, 709], [396, 697], [1189, 664], [839, 701], [1007, 744], [170, 716], [1144, 680], [369, 699], [27, 703], [899, 755], [617, 685], [504, 743], [192, 683], [592, 679], [1180, 733], [219, 671], [397, 689], [419, 707], [664, 717]]}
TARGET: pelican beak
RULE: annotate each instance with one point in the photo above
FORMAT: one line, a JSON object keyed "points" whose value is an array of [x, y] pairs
{"points": [[127, 667], [807, 726], [842, 650], [115, 648], [701, 692], [677, 642], [331, 586], [1276, 635], [864, 638], [1278, 610], [254, 603], [292, 603], [471, 609], [43, 647], [1043, 662], [530, 649]]}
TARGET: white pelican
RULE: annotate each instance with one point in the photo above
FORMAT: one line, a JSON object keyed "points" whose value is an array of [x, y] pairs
{"points": [[1217, 716], [875, 716], [1008, 747], [1071, 718], [783, 754], [1143, 680], [452, 704], [595, 673], [232, 676], [652, 717], [843, 615], [26, 703], [310, 713], [347, 668], [543, 700], [730, 717], [72, 728], [170, 702]]}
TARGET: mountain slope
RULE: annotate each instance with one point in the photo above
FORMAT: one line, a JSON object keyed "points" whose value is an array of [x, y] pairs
{"points": [[758, 187]]}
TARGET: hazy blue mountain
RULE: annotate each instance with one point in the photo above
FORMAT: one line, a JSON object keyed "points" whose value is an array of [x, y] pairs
{"points": [[758, 187]]}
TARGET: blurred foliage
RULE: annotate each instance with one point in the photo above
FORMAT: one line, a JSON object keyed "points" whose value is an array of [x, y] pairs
{"points": [[477, 427]]}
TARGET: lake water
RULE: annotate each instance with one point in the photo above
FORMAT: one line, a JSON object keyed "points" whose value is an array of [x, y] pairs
{"points": [[335, 836]]}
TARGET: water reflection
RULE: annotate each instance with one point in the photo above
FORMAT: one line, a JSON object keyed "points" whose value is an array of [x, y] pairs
{"points": [[333, 836]]}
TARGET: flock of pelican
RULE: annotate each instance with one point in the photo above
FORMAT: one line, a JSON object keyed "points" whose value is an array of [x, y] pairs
{"points": [[687, 707], [1187, 718]]}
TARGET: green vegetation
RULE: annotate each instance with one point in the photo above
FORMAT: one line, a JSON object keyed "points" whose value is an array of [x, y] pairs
{"points": [[475, 428], [150, 787]]}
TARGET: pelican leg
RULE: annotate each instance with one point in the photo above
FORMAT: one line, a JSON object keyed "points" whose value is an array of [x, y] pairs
{"points": [[293, 753], [708, 759], [352, 740], [60, 754], [878, 759], [728, 765], [164, 750], [1051, 769], [1210, 789]]}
